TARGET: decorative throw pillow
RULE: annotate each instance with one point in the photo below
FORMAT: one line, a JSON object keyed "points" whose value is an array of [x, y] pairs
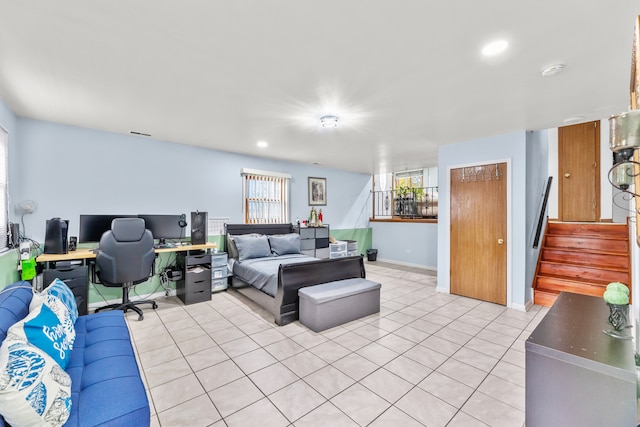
{"points": [[34, 389], [59, 297], [44, 329], [252, 246], [283, 244]]}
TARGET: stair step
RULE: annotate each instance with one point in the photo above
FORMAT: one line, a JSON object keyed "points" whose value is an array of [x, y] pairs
{"points": [[594, 229], [559, 284], [615, 260], [598, 245], [583, 272], [544, 298]]}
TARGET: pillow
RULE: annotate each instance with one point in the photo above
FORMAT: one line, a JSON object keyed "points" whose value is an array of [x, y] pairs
{"points": [[232, 250], [283, 244], [44, 329], [34, 390], [59, 298], [252, 246]]}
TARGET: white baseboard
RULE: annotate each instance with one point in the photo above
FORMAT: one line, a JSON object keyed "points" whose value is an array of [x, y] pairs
{"points": [[406, 264], [521, 307], [443, 290]]}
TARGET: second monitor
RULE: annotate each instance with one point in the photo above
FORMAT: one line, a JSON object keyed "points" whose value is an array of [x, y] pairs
{"points": [[165, 226]]}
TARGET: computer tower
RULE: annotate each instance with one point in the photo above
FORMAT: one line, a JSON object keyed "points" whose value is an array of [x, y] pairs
{"points": [[76, 277], [55, 238], [198, 228]]}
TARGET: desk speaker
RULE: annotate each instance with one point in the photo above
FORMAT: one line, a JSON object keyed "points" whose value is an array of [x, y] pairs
{"points": [[198, 228]]}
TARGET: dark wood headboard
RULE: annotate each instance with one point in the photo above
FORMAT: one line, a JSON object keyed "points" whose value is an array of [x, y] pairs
{"points": [[235, 229]]}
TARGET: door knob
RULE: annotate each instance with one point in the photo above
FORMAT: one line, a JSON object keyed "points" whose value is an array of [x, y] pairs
{"points": [[500, 241], [567, 175]]}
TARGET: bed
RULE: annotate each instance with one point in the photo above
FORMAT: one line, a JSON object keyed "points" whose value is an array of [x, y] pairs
{"points": [[272, 281]]}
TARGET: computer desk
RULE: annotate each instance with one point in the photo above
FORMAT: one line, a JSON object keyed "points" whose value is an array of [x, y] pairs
{"points": [[78, 278], [84, 254]]}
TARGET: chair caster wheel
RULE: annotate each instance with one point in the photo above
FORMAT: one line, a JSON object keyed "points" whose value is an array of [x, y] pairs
{"points": [[141, 317], [154, 306]]}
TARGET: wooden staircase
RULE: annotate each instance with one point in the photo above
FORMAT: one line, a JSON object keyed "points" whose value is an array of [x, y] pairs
{"points": [[581, 258]]}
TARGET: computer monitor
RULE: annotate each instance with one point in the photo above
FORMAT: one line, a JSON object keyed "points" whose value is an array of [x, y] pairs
{"points": [[165, 226], [93, 226]]}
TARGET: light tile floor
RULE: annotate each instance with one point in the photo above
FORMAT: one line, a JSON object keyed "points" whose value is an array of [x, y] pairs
{"points": [[427, 359]]}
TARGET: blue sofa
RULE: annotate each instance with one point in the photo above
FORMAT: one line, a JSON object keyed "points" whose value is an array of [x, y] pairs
{"points": [[106, 387]]}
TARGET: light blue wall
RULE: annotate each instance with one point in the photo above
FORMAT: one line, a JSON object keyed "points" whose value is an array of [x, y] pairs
{"points": [[69, 171], [512, 149], [537, 176], [413, 244]]}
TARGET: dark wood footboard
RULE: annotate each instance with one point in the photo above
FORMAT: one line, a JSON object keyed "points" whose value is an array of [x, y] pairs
{"points": [[292, 277]]}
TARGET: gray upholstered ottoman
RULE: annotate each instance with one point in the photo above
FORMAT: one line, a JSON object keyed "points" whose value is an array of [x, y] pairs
{"points": [[334, 303]]}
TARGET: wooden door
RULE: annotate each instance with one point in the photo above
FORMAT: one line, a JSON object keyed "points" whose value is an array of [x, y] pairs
{"points": [[579, 172], [479, 232]]}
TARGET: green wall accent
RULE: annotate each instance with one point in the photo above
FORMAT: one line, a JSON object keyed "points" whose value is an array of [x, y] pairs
{"points": [[362, 235], [9, 268]]}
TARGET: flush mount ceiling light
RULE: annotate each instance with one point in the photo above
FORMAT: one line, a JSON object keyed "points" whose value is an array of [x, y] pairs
{"points": [[552, 70], [262, 144], [329, 121], [573, 120], [495, 47]]}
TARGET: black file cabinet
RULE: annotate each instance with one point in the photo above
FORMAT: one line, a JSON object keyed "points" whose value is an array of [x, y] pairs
{"points": [[195, 285], [76, 277]]}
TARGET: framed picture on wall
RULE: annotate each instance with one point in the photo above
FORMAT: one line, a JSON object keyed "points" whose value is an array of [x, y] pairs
{"points": [[317, 191]]}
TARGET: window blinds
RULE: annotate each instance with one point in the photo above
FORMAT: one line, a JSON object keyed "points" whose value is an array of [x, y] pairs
{"points": [[4, 190], [266, 197]]}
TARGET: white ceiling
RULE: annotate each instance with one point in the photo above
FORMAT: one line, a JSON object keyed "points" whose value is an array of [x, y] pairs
{"points": [[403, 76]]}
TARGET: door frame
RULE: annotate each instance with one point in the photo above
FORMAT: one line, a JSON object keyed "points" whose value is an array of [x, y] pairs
{"points": [[447, 213]]}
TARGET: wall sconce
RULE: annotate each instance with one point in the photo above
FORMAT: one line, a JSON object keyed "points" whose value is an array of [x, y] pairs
{"points": [[624, 131], [624, 139], [622, 175]]}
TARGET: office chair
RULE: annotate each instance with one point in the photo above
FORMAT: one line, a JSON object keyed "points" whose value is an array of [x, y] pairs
{"points": [[125, 258]]}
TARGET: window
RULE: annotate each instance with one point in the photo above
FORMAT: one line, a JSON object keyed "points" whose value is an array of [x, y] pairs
{"points": [[406, 196], [4, 189], [265, 196]]}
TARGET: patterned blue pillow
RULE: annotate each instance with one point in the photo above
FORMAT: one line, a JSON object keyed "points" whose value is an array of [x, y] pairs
{"points": [[34, 389], [59, 297], [43, 328]]}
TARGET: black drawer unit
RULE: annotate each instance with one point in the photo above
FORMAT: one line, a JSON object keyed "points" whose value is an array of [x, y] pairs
{"points": [[76, 277], [314, 241], [195, 285]]}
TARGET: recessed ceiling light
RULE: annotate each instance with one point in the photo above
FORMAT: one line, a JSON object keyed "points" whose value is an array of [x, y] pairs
{"points": [[495, 47], [573, 120], [552, 70], [262, 144], [329, 121]]}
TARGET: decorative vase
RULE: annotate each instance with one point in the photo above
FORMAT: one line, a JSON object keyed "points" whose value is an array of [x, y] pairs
{"points": [[619, 319]]}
